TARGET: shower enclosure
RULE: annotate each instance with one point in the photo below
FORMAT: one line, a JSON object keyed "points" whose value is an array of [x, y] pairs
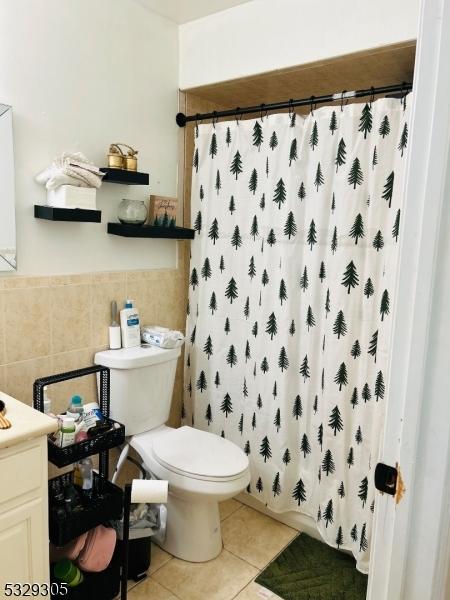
{"points": [[391, 574]]}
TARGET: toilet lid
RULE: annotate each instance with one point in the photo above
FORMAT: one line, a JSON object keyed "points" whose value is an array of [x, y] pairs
{"points": [[199, 453]]}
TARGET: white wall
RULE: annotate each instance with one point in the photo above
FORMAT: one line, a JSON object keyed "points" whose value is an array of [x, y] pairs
{"points": [[7, 225], [79, 75], [265, 35]]}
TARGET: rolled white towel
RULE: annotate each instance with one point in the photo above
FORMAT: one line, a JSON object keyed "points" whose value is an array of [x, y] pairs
{"points": [[70, 169]]}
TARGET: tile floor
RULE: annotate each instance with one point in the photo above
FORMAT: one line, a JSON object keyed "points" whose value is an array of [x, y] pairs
{"points": [[251, 540]]}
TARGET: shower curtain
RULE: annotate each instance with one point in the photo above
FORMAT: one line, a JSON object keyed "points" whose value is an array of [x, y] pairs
{"points": [[292, 278]]}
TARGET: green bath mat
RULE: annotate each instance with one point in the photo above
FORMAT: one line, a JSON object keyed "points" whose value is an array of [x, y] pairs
{"points": [[310, 570]]}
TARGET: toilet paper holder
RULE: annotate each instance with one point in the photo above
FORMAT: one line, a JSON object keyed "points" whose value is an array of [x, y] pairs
{"points": [[140, 490]]}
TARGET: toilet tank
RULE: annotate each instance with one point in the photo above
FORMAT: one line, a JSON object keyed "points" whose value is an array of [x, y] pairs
{"points": [[142, 380]]}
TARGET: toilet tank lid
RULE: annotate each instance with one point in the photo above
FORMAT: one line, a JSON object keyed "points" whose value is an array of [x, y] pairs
{"points": [[135, 358]]}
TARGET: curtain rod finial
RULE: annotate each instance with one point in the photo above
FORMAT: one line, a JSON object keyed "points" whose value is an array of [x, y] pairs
{"points": [[180, 119]]}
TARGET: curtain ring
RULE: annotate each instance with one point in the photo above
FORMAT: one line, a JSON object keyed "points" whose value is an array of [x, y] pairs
{"points": [[312, 105], [342, 99], [261, 112], [238, 108], [291, 107], [196, 125], [215, 118], [403, 94], [372, 96]]}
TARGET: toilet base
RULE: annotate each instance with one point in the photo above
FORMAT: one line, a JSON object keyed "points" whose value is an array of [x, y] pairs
{"points": [[193, 529]]}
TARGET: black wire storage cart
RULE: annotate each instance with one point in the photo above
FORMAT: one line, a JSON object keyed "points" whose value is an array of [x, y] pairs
{"points": [[107, 501]]}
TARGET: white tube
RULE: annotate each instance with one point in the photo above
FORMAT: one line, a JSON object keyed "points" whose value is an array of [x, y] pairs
{"points": [[122, 459], [149, 490]]}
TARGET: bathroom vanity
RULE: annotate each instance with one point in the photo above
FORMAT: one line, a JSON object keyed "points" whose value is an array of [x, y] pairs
{"points": [[23, 495]]}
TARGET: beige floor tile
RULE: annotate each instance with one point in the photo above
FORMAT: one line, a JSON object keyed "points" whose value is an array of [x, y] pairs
{"points": [[254, 591], [159, 558], [131, 584], [228, 507], [218, 579], [149, 589], [255, 537]]}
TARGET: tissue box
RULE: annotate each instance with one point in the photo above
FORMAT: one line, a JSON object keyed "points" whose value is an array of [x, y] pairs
{"points": [[71, 196], [162, 211]]}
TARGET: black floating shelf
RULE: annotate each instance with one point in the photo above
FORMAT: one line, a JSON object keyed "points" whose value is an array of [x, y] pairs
{"points": [[51, 213], [124, 177], [151, 231]]}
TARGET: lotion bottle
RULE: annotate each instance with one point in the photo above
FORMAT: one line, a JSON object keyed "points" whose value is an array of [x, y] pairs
{"points": [[130, 325]]}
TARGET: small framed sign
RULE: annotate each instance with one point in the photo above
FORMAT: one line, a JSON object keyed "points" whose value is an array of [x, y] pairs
{"points": [[162, 211]]}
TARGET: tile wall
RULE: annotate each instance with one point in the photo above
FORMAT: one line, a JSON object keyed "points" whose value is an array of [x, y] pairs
{"points": [[54, 324]]}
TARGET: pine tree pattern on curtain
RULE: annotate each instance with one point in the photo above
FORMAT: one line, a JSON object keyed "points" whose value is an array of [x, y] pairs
{"points": [[292, 278]]}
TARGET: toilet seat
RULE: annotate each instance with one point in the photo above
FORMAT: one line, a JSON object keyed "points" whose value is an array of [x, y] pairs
{"points": [[202, 469], [193, 453]]}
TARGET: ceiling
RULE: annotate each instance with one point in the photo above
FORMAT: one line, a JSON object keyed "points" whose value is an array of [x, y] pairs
{"points": [[182, 11]]}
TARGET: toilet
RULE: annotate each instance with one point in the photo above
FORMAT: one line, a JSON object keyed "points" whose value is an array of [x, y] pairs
{"points": [[202, 468]]}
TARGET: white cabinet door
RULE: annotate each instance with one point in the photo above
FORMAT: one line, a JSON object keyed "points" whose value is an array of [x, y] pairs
{"points": [[23, 546]]}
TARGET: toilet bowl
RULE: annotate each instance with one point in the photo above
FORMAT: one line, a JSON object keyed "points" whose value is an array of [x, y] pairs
{"points": [[202, 469]]}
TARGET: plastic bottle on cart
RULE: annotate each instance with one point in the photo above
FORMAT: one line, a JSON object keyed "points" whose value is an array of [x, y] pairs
{"points": [[47, 404], [76, 406], [66, 435], [86, 472]]}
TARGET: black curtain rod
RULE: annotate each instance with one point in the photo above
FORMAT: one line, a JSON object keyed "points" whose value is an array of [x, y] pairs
{"points": [[402, 88]]}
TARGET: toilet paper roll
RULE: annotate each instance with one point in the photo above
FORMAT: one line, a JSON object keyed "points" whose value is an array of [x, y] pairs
{"points": [[149, 490]]}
